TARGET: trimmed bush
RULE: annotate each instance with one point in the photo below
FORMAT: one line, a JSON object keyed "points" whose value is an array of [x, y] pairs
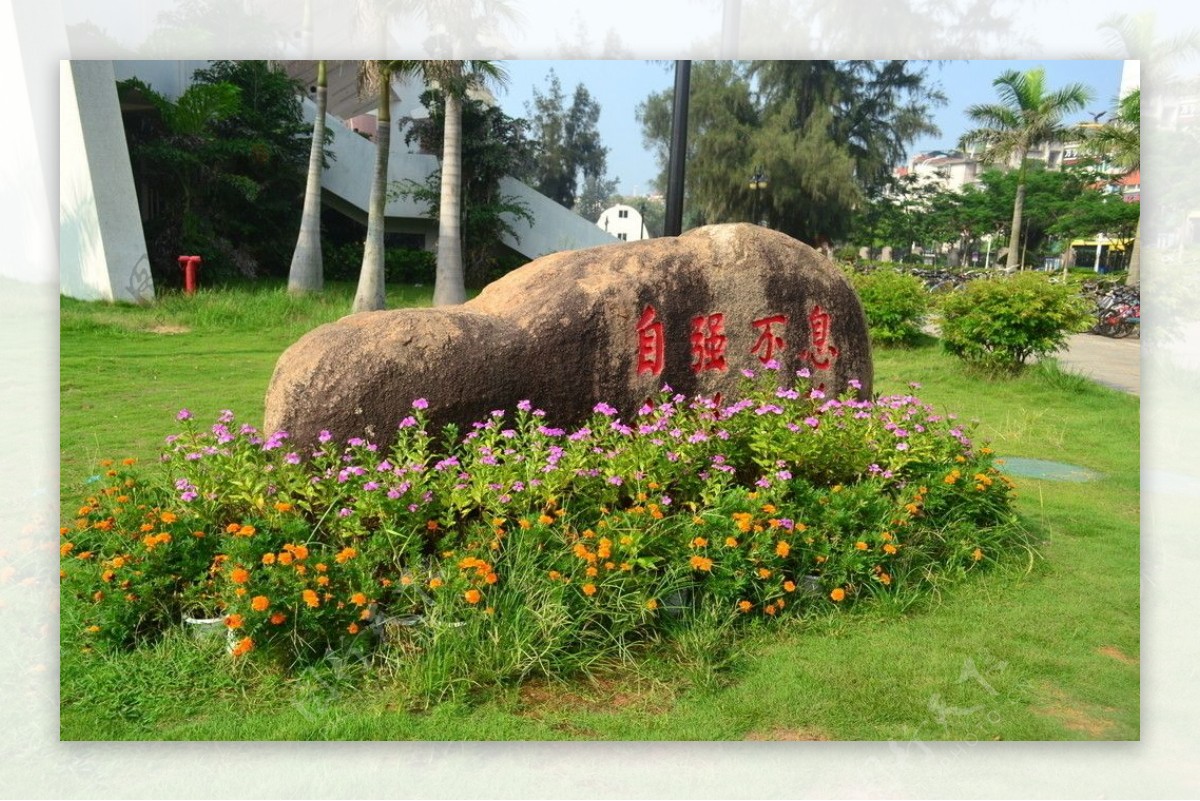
{"points": [[895, 304], [996, 324]]}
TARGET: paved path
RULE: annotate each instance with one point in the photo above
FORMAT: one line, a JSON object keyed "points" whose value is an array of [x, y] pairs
{"points": [[1112, 362]]}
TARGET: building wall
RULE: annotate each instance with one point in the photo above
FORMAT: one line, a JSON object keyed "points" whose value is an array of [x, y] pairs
{"points": [[102, 248]]}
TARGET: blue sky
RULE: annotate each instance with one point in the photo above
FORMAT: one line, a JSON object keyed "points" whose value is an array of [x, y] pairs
{"points": [[618, 86]]}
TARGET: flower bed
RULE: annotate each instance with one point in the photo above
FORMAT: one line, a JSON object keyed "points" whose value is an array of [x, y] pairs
{"points": [[533, 538]]}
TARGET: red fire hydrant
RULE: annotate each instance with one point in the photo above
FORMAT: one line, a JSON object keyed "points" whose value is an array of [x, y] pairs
{"points": [[191, 273]]}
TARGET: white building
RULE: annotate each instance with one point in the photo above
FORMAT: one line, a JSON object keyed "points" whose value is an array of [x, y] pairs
{"points": [[623, 222]]}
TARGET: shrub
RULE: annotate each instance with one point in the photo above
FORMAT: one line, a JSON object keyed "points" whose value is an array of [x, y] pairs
{"points": [[401, 265], [525, 548], [995, 324], [895, 304]]}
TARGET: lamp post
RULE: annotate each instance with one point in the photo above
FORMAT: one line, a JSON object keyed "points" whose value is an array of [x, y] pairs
{"points": [[758, 182]]}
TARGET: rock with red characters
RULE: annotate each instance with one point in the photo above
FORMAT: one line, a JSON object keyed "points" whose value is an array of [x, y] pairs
{"points": [[614, 324]]}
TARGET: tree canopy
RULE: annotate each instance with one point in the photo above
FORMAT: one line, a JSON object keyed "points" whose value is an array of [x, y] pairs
{"points": [[823, 133], [567, 147]]}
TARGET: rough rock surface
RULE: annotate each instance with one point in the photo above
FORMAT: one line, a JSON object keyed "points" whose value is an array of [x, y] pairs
{"points": [[612, 323]]}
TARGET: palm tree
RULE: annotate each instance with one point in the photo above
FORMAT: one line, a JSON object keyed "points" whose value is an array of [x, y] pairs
{"points": [[376, 76], [307, 272], [1027, 117], [455, 79], [1120, 142]]}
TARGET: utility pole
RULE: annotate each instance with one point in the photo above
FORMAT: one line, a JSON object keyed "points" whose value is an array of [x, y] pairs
{"points": [[673, 225]]}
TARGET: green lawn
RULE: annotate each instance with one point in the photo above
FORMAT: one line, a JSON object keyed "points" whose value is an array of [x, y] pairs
{"points": [[1048, 653]]}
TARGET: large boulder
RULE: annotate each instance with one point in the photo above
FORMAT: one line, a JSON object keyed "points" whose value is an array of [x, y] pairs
{"points": [[612, 323]]}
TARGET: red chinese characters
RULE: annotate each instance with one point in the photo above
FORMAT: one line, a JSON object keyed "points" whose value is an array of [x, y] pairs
{"points": [[768, 341], [708, 342], [822, 353], [650, 343]]}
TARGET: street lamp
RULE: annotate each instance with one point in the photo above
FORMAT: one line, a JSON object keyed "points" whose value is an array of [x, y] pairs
{"points": [[758, 182]]}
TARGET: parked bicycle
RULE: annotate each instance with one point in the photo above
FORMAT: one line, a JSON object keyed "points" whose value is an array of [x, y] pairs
{"points": [[1119, 312]]}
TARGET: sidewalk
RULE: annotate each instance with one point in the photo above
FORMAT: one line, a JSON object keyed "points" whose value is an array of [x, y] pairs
{"points": [[1112, 362]]}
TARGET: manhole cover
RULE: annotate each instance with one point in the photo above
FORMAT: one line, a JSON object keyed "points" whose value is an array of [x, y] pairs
{"points": [[1050, 471]]}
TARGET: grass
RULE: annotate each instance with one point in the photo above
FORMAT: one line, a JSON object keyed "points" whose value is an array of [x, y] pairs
{"points": [[1017, 653]]}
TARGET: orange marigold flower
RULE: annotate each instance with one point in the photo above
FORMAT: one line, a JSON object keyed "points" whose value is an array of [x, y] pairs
{"points": [[358, 599], [311, 598], [247, 531], [268, 558], [107, 575], [701, 563], [239, 575], [166, 517], [554, 575], [234, 621], [365, 614], [699, 542], [352, 628], [345, 555], [85, 555], [862, 546], [885, 578], [283, 506], [820, 559], [298, 551], [525, 524], [473, 596], [278, 618], [285, 557], [233, 528], [652, 604], [66, 548], [243, 647], [301, 570], [589, 589], [625, 566], [321, 568], [545, 520], [322, 581], [259, 603], [764, 573], [782, 548], [406, 580], [977, 554], [490, 578], [92, 629], [130, 461], [789, 586], [838, 594], [435, 582], [745, 606], [731, 542], [769, 609], [604, 548], [889, 549], [591, 572]]}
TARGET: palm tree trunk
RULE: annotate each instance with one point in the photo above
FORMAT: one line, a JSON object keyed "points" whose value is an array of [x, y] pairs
{"points": [[1134, 277], [371, 282], [307, 270], [1013, 262], [449, 286]]}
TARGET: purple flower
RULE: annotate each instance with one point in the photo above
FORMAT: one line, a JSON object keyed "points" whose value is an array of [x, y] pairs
{"points": [[292, 458], [324, 436], [902, 446], [771, 364], [811, 422], [763, 482], [420, 403], [408, 422], [783, 475], [748, 373], [604, 408], [344, 512], [190, 495], [371, 486], [855, 383], [546, 431], [699, 436], [616, 480], [804, 372], [582, 433], [184, 414], [816, 394], [393, 493], [524, 405]]}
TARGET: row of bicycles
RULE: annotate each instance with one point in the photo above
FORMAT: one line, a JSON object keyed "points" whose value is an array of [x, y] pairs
{"points": [[1118, 310]]}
